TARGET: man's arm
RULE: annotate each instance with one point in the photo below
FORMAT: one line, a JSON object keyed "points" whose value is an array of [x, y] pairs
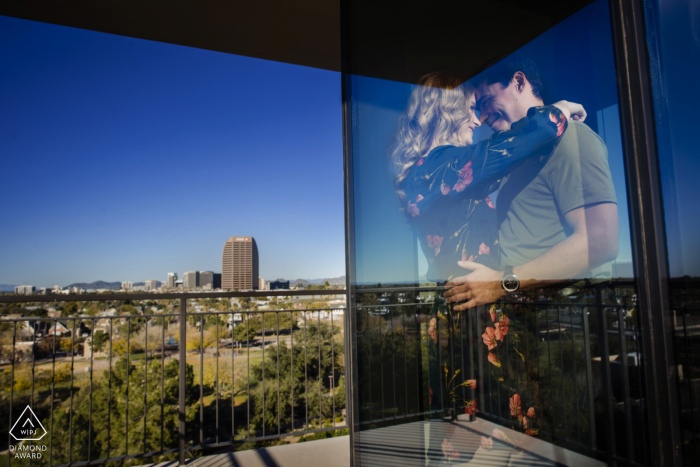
{"points": [[594, 241]]}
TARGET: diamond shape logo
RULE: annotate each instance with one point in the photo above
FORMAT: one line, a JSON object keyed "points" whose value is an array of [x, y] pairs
{"points": [[28, 427]]}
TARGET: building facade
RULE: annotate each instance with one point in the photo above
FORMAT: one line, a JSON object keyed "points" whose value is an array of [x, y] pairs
{"points": [[151, 284], [279, 285], [190, 279], [239, 264], [172, 279], [25, 289], [206, 279]]}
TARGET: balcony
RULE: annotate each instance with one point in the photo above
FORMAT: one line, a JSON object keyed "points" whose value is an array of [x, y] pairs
{"points": [[178, 377], [249, 384]]}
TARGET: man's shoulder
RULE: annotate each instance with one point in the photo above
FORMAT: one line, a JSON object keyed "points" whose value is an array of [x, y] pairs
{"points": [[579, 136]]}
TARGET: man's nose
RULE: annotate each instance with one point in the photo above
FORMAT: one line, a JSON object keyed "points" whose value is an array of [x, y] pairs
{"points": [[482, 117]]}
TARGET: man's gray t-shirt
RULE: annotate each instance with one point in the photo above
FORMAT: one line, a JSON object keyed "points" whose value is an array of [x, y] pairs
{"points": [[533, 199]]}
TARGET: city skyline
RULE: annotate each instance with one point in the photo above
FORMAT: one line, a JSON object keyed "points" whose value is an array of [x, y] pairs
{"points": [[113, 139]]}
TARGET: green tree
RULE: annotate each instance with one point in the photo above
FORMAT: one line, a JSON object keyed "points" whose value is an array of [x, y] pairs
{"points": [[98, 340], [112, 411], [242, 333], [69, 308]]}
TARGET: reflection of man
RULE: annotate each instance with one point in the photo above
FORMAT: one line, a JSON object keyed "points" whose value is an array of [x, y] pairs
{"points": [[557, 214]]}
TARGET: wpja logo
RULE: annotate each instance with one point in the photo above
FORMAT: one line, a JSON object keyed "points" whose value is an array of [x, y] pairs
{"points": [[27, 428]]}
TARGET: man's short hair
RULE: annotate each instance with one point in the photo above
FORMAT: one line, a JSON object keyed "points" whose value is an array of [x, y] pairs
{"points": [[502, 72]]}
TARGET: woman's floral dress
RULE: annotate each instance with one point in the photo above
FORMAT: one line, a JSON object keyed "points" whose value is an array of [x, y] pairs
{"points": [[455, 221], [447, 192]]}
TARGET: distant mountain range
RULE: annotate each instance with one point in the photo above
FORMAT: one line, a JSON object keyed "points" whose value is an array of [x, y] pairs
{"points": [[332, 281]]}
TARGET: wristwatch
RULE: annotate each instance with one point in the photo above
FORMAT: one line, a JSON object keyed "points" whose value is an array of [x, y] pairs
{"points": [[510, 282]]}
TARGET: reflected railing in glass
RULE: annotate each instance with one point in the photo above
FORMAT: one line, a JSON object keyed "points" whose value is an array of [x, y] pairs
{"points": [[561, 365]]}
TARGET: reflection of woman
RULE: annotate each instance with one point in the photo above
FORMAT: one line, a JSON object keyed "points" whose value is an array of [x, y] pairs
{"points": [[442, 179]]}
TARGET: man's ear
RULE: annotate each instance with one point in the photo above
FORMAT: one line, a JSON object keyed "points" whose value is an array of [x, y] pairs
{"points": [[519, 81]]}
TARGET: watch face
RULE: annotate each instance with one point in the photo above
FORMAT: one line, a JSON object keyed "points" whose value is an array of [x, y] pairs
{"points": [[511, 283]]}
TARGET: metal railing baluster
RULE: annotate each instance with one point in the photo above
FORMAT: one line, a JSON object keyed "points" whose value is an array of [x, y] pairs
{"points": [[162, 384], [70, 409], [217, 378], [233, 379], [92, 362], [145, 386], [31, 395], [626, 386], [12, 392], [573, 354], [182, 381], [128, 372], [605, 373], [263, 374], [201, 380], [277, 330], [561, 369], [320, 372], [109, 390], [551, 382], [306, 374], [589, 377], [53, 383], [334, 382], [247, 337], [291, 365]]}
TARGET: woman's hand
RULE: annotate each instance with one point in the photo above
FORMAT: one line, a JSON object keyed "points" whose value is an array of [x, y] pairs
{"points": [[572, 110]]}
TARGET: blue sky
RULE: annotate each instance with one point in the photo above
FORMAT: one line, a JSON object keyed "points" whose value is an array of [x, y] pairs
{"points": [[129, 159]]}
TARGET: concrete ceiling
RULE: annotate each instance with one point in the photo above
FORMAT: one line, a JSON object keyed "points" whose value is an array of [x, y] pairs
{"points": [[392, 39]]}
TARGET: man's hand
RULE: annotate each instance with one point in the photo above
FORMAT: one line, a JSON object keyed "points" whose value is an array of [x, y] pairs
{"points": [[481, 287]]}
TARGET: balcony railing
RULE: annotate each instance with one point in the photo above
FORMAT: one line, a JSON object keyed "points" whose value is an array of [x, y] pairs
{"points": [[149, 405], [574, 357]]}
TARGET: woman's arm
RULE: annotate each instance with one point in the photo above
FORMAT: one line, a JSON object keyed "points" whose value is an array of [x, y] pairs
{"points": [[528, 137], [460, 172]]}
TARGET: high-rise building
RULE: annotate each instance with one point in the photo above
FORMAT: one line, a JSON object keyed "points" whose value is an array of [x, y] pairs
{"points": [[279, 284], [239, 264], [172, 278], [151, 284], [216, 284], [206, 278], [25, 289], [127, 285], [190, 279], [262, 283]]}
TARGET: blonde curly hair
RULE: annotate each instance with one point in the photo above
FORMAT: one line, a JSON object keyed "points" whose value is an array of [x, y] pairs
{"points": [[436, 110]]}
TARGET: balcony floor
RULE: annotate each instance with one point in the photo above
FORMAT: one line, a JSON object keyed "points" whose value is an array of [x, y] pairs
{"points": [[330, 452]]}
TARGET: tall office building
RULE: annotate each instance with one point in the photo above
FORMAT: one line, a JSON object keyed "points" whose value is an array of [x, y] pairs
{"points": [[239, 264], [127, 285], [151, 284], [190, 279], [172, 279], [206, 278]]}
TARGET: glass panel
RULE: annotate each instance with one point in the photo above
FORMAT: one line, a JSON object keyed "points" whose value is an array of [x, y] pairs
{"points": [[548, 374], [673, 35]]}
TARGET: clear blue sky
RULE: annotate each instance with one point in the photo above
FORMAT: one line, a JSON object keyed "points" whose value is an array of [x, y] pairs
{"points": [[125, 159]]}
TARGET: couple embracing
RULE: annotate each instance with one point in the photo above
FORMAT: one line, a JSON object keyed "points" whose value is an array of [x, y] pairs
{"points": [[555, 216]]}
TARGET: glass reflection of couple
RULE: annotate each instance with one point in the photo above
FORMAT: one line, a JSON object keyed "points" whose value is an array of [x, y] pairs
{"points": [[556, 215]]}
